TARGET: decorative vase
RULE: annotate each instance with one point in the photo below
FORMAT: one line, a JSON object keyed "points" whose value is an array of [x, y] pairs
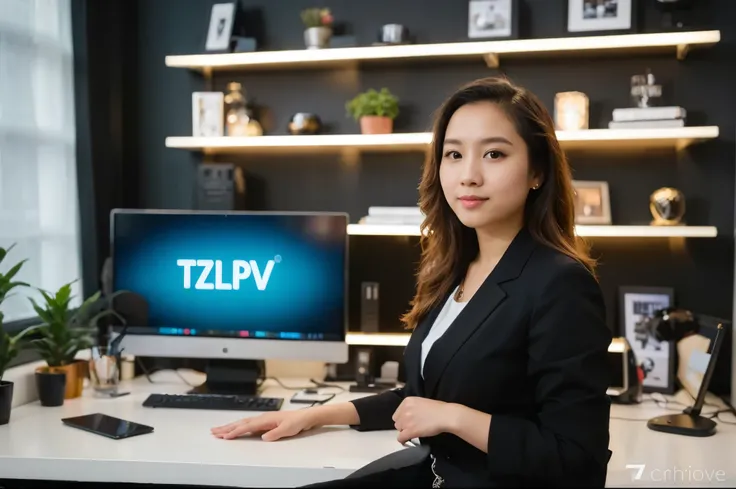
{"points": [[667, 206], [6, 401], [376, 124], [317, 37], [50, 386], [75, 372]]}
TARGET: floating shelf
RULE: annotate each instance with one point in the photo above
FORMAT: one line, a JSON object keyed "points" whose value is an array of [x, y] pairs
{"points": [[491, 52], [377, 339], [678, 138], [582, 230]]}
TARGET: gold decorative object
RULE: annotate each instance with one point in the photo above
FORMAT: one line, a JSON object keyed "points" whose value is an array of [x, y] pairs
{"points": [[239, 118], [571, 111], [667, 206]]}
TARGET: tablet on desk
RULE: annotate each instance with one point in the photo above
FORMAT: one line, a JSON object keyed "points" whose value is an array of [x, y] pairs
{"points": [[109, 426]]}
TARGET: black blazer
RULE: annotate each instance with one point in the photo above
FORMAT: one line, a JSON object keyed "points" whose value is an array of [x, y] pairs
{"points": [[529, 348]]}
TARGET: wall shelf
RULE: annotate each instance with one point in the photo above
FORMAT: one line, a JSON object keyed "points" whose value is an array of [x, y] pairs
{"points": [[594, 139], [490, 52], [582, 230]]}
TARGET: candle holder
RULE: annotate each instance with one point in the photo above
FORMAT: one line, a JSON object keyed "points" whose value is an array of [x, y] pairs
{"points": [[571, 111]]}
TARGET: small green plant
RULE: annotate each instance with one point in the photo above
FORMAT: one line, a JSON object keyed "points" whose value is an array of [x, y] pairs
{"points": [[10, 346], [317, 17], [65, 331], [372, 102]]}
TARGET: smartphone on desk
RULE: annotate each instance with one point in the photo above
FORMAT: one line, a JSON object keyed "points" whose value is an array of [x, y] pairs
{"points": [[108, 426]]}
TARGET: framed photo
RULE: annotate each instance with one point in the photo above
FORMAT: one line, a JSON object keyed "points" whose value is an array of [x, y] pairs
{"points": [[592, 202], [600, 15], [638, 305], [208, 114], [493, 19], [220, 30]]}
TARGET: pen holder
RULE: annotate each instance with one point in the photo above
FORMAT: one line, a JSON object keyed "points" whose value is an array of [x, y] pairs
{"points": [[104, 372]]}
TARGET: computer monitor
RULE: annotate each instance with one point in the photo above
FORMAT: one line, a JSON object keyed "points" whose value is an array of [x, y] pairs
{"points": [[231, 285]]}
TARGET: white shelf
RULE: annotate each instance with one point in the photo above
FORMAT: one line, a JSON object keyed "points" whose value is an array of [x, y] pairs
{"points": [[678, 138], [677, 43], [581, 230]]}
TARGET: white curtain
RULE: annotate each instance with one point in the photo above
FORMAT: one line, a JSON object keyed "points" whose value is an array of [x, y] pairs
{"points": [[39, 206]]}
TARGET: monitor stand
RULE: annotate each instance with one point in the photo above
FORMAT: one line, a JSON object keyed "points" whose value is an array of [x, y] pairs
{"points": [[239, 377]]}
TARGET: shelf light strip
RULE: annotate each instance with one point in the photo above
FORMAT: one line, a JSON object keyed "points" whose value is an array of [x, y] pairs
{"points": [[581, 230], [583, 43], [419, 139]]}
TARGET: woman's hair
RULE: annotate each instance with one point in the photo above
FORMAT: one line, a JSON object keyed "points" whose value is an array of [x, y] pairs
{"points": [[447, 245]]}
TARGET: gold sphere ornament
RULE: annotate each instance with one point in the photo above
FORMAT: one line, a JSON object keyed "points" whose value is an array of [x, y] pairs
{"points": [[667, 206]]}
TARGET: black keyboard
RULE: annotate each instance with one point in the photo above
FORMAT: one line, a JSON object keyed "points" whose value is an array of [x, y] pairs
{"points": [[224, 402]]}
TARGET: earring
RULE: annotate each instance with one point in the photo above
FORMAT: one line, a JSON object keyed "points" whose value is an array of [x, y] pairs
{"points": [[535, 187]]}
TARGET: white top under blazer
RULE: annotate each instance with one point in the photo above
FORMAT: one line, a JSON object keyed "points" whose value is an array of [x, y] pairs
{"points": [[445, 318]]}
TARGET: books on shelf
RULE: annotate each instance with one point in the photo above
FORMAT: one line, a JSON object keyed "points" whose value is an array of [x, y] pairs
{"points": [[648, 117], [393, 215]]}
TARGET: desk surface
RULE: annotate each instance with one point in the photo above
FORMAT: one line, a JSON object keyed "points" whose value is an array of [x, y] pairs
{"points": [[35, 445]]}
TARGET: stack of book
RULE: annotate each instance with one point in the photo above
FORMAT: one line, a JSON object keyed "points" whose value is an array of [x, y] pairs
{"points": [[393, 216], [647, 118]]}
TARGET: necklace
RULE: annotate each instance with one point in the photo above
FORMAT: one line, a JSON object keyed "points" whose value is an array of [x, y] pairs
{"points": [[460, 291]]}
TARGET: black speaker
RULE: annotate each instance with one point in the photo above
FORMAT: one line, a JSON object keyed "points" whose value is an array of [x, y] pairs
{"points": [[369, 317], [220, 186]]}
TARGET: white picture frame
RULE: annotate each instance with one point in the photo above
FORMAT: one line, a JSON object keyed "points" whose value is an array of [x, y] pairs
{"points": [[220, 30], [592, 202], [657, 358], [600, 15], [491, 19], [208, 114]]}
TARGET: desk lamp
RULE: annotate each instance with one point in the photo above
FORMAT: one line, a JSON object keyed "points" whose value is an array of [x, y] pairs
{"points": [[672, 324]]}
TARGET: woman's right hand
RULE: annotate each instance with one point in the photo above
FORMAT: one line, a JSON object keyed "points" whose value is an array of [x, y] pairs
{"points": [[273, 425]]}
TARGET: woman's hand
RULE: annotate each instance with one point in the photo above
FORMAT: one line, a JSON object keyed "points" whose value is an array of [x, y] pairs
{"points": [[272, 426], [419, 417]]}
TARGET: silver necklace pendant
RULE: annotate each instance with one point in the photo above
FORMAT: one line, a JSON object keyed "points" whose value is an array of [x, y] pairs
{"points": [[438, 481]]}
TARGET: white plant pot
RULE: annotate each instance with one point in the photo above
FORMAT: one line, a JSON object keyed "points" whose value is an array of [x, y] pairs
{"points": [[317, 37]]}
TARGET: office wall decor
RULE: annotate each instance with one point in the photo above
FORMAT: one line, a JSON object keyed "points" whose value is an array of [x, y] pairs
{"points": [[493, 19], [592, 202], [374, 110], [667, 206], [600, 15], [220, 30], [207, 114], [638, 305]]}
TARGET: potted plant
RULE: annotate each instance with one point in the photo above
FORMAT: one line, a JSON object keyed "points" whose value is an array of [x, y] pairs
{"points": [[10, 346], [375, 110], [318, 23], [64, 333]]}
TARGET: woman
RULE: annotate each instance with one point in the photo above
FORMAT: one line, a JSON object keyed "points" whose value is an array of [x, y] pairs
{"points": [[506, 367]]}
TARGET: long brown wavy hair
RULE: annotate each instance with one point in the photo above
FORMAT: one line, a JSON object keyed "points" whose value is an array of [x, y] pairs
{"points": [[448, 246]]}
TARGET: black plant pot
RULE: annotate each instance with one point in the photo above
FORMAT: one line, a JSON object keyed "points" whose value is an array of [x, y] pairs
{"points": [[51, 386], [6, 401]]}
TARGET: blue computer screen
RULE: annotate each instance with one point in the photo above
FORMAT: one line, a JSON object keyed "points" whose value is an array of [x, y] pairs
{"points": [[264, 275]]}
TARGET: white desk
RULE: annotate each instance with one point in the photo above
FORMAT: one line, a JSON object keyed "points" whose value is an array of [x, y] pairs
{"points": [[35, 445]]}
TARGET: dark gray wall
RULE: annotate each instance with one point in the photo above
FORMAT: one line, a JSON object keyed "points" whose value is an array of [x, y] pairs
{"points": [[701, 271]]}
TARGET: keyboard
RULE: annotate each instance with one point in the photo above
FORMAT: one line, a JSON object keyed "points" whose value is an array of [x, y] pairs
{"points": [[224, 402]]}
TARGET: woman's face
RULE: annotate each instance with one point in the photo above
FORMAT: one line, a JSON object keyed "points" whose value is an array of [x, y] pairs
{"points": [[484, 171]]}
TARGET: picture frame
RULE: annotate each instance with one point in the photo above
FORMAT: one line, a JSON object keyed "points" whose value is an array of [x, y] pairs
{"points": [[592, 202], [208, 114], [493, 19], [223, 17], [637, 304], [614, 16]]}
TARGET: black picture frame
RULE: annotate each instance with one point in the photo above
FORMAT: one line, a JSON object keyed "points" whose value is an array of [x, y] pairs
{"points": [[658, 359], [599, 28], [221, 25], [514, 9]]}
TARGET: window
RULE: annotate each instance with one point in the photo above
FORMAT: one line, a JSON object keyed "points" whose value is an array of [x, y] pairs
{"points": [[39, 205]]}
